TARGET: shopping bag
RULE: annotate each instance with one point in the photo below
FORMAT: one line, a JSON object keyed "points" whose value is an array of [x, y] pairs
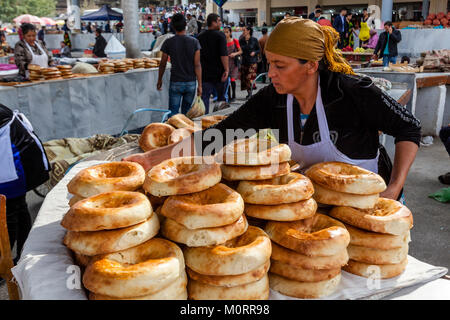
{"points": [[364, 34], [197, 109]]}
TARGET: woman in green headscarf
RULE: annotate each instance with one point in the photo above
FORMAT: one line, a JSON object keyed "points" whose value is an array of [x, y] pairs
{"points": [[318, 107]]}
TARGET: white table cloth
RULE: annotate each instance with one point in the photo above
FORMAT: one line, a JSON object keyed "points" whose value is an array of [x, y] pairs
{"points": [[46, 269]]}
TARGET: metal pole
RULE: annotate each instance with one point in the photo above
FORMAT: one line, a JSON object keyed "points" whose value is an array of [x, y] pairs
{"points": [[131, 28], [386, 10], [425, 8], [221, 13]]}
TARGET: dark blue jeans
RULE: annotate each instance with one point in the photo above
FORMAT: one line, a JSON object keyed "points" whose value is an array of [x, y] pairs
{"points": [[209, 87], [387, 59], [181, 93]]}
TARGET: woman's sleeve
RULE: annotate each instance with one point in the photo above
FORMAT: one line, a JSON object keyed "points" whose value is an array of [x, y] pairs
{"points": [[20, 58], [236, 42], [381, 112], [250, 117], [257, 49]]}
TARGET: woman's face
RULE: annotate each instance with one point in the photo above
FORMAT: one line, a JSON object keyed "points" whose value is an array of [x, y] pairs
{"points": [[245, 32], [227, 33], [288, 74], [30, 37]]}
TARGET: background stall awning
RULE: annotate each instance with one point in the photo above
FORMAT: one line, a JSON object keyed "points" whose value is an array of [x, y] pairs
{"points": [[104, 13]]}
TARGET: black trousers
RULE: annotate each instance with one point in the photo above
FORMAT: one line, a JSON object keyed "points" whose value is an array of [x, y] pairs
{"points": [[341, 42], [18, 220], [444, 134]]}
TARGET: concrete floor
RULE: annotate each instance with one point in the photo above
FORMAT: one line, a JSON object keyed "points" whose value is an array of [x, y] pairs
{"points": [[430, 234]]}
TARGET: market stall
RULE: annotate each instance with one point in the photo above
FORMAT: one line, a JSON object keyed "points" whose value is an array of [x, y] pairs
{"points": [[47, 269], [87, 105]]}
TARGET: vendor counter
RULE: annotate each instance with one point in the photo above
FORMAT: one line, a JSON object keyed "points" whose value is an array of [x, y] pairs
{"points": [[430, 99], [85, 106]]}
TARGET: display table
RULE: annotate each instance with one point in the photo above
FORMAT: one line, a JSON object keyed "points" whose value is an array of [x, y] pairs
{"points": [[46, 269], [85, 106], [430, 100]]}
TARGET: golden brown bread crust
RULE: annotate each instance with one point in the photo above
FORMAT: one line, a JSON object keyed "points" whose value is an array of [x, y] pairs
{"points": [[369, 239], [208, 121], [335, 198], [138, 271], [106, 211], [347, 178], [303, 290], [289, 188], [253, 152], [295, 259], [231, 281], [213, 207], [303, 275], [377, 256], [75, 199], [373, 271], [175, 291], [180, 121], [174, 231], [237, 256], [316, 236], [283, 212], [179, 134], [258, 290], [155, 135], [81, 259], [111, 176], [92, 243], [182, 175], [387, 216], [233, 173]]}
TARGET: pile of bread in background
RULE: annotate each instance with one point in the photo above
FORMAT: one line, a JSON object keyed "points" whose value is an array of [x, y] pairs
{"points": [[109, 66], [175, 129], [59, 72]]}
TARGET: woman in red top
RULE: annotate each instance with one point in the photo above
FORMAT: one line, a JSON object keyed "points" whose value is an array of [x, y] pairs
{"points": [[234, 50]]}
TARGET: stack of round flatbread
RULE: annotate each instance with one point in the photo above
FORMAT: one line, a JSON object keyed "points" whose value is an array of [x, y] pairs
{"points": [[106, 67], [208, 218], [235, 270], [51, 73], [342, 184], [379, 238], [111, 229], [120, 66], [260, 171], [307, 256], [35, 72], [66, 71], [138, 64]]}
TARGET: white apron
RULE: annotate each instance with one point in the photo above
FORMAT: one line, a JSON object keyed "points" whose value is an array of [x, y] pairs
{"points": [[40, 60], [8, 172], [322, 151]]}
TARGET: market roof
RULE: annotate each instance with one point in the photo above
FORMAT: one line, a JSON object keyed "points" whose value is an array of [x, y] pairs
{"points": [[104, 13]]}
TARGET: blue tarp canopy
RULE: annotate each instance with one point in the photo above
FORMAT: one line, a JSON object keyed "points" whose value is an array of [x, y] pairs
{"points": [[220, 3], [104, 13]]}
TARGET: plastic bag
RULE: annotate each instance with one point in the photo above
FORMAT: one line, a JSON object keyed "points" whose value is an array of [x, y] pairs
{"points": [[197, 109], [364, 34]]}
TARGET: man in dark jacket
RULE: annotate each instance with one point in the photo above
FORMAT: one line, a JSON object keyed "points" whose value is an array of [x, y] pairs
{"points": [[340, 24], [100, 44], [387, 44]]}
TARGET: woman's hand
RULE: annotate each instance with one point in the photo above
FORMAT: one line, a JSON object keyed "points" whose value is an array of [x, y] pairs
{"points": [[392, 192], [252, 54], [159, 85], [232, 55], [147, 160]]}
